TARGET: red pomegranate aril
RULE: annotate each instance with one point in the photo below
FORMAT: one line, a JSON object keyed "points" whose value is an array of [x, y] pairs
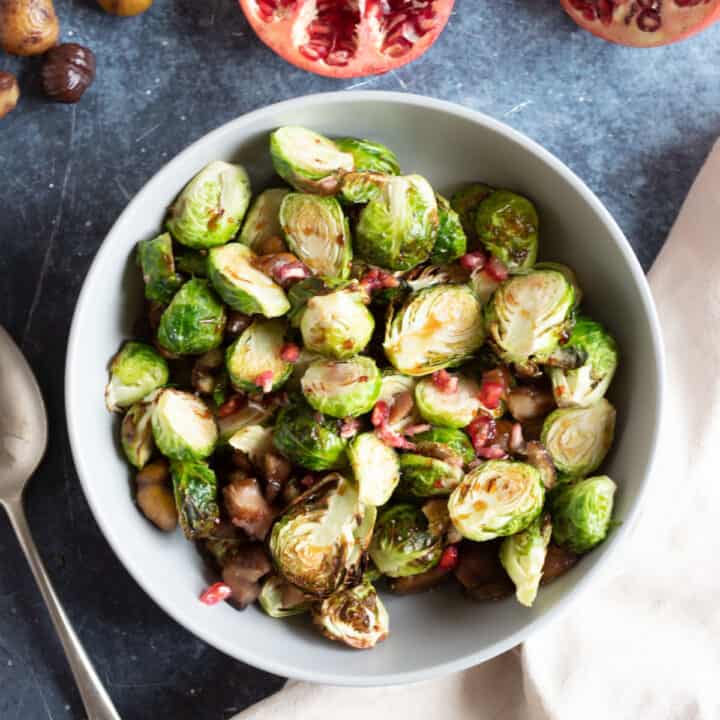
{"points": [[265, 381], [474, 260], [481, 431], [491, 393], [380, 414], [445, 382], [290, 353], [215, 594], [449, 558], [496, 269]]}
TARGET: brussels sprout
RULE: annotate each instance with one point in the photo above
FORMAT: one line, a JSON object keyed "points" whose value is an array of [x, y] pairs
{"points": [[582, 512], [569, 274], [498, 498], [363, 535], [192, 262], [375, 467], [342, 388], [397, 230], [354, 616], [155, 257], [195, 489], [578, 439], [369, 156], [305, 359], [484, 284], [450, 241], [299, 294], [136, 434], [135, 372], [251, 414], [242, 286], [254, 440], [183, 426], [255, 354], [308, 161], [589, 382], [523, 557], [337, 324], [450, 409], [423, 476], [194, 321], [263, 219], [398, 390], [362, 187], [465, 203], [318, 233], [308, 438], [209, 211], [279, 599], [507, 226], [456, 441], [428, 275], [403, 543], [314, 542], [528, 315], [436, 328]]}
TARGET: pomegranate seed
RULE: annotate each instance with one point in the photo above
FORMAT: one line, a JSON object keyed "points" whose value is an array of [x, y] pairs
{"points": [[265, 380], [380, 414], [290, 352], [496, 269], [481, 431], [449, 558], [491, 394], [216, 593], [474, 260], [445, 382]]}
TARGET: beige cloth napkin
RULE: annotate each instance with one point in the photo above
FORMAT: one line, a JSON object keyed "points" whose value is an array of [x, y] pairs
{"points": [[646, 645]]}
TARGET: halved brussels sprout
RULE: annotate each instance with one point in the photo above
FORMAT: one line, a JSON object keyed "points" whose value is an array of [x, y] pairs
{"points": [[194, 321], [309, 161], [280, 599], [399, 390], [354, 616], [436, 328], [135, 372], [255, 354], [307, 438], [183, 426], [318, 233], [363, 536], [589, 382], [361, 187], [582, 513], [299, 294], [528, 315], [136, 434], [449, 409], [369, 156], [578, 439], [422, 476], [497, 498], [484, 284], [192, 262], [342, 388], [403, 543], [523, 557], [195, 487], [263, 219], [375, 467], [456, 441], [450, 241], [242, 286], [569, 274], [507, 226], [209, 211], [337, 324], [155, 257], [465, 203], [254, 440], [251, 414], [428, 275], [313, 543], [397, 229]]}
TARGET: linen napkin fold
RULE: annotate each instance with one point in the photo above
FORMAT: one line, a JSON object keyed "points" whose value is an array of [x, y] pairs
{"points": [[646, 646]]}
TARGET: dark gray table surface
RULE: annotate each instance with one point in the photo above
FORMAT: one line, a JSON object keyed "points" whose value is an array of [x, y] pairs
{"points": [[635, 125]]}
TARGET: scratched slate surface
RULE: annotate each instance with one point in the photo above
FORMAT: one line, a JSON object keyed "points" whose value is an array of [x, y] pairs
{"points": [[634, 124]]}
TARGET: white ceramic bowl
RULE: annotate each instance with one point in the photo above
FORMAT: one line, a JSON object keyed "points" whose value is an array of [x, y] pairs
{"points": [[436, 632]]}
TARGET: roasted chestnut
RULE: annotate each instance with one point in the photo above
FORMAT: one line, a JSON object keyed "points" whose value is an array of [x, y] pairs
{"points": [[28, 27], [69, 70], [9, 93]]}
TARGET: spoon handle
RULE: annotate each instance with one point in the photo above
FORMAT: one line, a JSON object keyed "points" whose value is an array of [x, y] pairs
{"points": [[97, 702]]}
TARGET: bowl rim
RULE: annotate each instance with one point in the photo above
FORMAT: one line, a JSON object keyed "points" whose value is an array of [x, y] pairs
{"points": [[623, 533]]}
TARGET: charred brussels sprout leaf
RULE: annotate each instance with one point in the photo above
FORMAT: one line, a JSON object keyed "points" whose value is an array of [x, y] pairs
{"points": [[195, 489], [194, 321], [280, 599], [450, 241], [375, 467], [263, 219], [209, 211], [135, 371], [369, 156], [422, 476], [454, 440], [136, 434], [465, 203], [155, 257], [449, 409]]}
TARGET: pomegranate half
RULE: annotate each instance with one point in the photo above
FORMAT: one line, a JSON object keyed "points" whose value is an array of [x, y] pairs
{"points": [[643, 23], [348, 38]]}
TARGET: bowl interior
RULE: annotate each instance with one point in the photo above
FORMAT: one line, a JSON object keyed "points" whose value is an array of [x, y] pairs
{"points": [[438, 631]]}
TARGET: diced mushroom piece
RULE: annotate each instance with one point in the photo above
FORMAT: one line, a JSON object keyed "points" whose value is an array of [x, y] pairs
{"points": [[277, 471], [557, 562], [479, 571], [530, 402], [247, 507], [419, 583], [243, 571]]}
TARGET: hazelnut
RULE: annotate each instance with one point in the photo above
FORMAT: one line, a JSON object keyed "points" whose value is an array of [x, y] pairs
{"points": [[125, 8], [28, 27], [9, 93], [68, 72]]}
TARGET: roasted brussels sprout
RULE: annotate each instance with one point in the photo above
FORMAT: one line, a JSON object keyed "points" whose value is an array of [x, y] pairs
{"points": [[313, 543], [362, 187], [484, 284], [299, 294], [254, 360], [354, 616], [308, 438], [528, 315], [369, 156], [498, 498], [450, 241], [136, 433], [318, 233], [523, 557], [209, 211], [280, 599], [309, 161], [263, 219], [337, 324], [195, 488], [507, 226], [183, 426], [436, 328], [456, 443], [375, 467], [157, 262], [454, 409], [254, 440], [250, 414], [588, 383], [194, 321], [192, 262], [582, 513], [242, 286], [397, 229], [569, 274], [403, 543], [426, 276], [135, 372], [465, 203], [342, 388], [423, 476], [578, 439]]}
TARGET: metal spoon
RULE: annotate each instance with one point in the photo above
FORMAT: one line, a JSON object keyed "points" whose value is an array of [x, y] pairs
{"points": [[23, 438]]}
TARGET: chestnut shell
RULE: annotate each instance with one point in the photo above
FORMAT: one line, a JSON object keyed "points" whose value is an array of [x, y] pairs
{"points": [[68, 71]]}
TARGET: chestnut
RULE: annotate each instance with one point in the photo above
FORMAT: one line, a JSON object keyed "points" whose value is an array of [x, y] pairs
{"points": [[28, 27], [9, 93], [125, 8], [68, 72]]}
